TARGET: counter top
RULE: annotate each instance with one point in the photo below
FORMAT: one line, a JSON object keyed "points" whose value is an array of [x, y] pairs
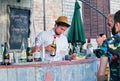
{"points": [[81, 70], [44, 64]]}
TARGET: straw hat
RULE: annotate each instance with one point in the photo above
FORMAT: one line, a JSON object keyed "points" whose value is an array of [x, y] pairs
{"points": [[63, 19]]}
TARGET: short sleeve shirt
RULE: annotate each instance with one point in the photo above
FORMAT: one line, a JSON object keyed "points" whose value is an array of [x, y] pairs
{"points": [[46, 38], [111, 49]]}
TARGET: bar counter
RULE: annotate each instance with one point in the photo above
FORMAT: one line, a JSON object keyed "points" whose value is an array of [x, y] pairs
{"points": [[82, 70]]}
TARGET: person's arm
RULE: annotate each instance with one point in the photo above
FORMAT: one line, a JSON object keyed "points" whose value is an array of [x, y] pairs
{"points": [[49, 48], [102, 68]]}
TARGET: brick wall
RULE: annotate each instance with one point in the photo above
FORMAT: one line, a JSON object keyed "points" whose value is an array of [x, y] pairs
{"points": [[114, 6], [38, 16], [46, 16], [53, 9]]}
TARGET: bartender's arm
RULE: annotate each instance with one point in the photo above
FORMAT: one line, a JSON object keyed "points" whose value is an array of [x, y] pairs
{"points": [[70, 57], [49, 48]]}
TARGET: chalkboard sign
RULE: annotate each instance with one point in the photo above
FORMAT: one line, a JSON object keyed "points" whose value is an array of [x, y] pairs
{"points": [[19, 26]]}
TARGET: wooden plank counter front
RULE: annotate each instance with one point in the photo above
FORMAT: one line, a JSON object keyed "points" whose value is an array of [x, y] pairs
{"points": [[83, 70]]}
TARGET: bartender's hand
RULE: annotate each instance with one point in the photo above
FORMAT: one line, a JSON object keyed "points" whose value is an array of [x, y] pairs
{"points": [[49, 48], [72, 56]]}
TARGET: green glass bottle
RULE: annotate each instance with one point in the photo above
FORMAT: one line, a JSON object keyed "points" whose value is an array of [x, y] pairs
{"points": [[54, 46], [6, 56], [29, 52], [70, 49]]}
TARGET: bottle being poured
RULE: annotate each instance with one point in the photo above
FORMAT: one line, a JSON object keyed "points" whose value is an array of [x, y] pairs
{"points": [[54, 46]]}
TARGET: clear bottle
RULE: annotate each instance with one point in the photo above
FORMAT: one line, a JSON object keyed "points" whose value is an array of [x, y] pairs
{"points": [[29, 52], [37, 52], [54, 46], [23, 56], [2, 48], [6, 55], [1, 54]]}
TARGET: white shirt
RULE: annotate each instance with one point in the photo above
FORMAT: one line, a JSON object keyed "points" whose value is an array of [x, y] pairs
{"points": [[46, 37]]}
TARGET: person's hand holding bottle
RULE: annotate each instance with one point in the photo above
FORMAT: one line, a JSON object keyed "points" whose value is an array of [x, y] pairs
{"points": [[50, 49]]}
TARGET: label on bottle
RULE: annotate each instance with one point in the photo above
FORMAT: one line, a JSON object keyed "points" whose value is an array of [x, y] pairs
{"points": [[6, 61], [37, 54], [23, 56], [30, 58], [29, 54]]}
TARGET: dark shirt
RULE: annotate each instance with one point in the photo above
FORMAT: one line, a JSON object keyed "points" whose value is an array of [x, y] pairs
{"points": [[111, 49], [113, 30]]}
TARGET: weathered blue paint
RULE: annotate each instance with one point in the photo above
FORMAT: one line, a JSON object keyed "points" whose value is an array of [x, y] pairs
{"points": [[75, 72]]}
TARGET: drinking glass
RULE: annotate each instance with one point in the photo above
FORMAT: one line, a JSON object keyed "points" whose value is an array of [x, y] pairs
{"points": [[63, 53]]}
